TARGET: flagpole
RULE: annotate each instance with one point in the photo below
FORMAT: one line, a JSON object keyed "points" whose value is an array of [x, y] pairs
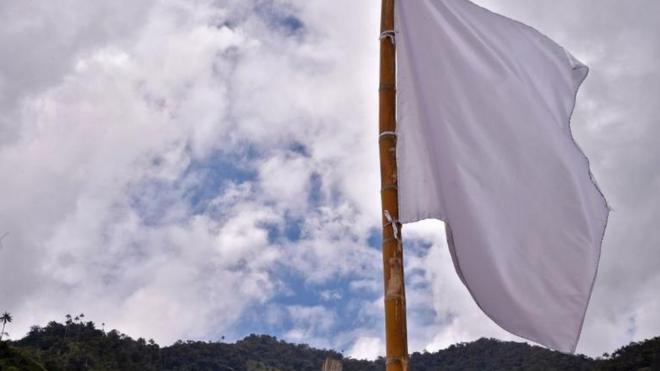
{"points": [[395, 295]]}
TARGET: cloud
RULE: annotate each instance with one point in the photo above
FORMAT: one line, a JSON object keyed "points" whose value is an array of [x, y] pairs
{"points": [[156, 175], [309, 322], [369, 348]]}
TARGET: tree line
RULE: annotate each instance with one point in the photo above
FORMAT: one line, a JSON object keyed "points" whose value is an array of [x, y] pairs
{"points": [[77, 344]]}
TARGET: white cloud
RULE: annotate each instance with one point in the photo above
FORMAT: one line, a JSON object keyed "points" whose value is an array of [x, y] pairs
{"points": [[100, 177], [311, 325], [330, 295], [368, 348]]}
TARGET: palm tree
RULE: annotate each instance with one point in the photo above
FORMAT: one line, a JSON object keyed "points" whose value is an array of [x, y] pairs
{"points": [[6, 317], [68, 322]]}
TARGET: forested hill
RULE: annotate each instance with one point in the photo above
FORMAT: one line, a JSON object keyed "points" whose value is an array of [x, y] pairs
{"points": [[81, 346]]}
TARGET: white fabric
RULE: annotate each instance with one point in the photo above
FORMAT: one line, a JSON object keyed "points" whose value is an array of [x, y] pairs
{"points": [[484, 104]]}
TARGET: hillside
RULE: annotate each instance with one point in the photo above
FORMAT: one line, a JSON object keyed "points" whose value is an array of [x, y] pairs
{"points": [[81, 346], [12, 359]]}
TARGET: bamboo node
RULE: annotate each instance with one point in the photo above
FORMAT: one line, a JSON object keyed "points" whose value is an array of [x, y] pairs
{"points": [[389, 187], [386, 87], [387, 134]]}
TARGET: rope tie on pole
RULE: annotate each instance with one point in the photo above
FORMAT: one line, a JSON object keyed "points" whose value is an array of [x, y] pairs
{"points": [[395, 228], [389, 34], [393, 223]]}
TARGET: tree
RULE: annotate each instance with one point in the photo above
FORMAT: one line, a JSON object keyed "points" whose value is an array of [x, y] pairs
{"points": [[67, 323], [6, 318]]}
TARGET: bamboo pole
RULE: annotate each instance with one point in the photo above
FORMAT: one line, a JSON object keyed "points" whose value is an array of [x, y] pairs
{"points": [[395, 296]]}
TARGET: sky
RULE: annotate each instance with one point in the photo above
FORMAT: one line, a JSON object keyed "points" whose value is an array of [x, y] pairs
{"points": [[200, 169]]}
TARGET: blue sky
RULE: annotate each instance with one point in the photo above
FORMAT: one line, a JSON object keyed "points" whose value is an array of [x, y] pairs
{"points": [[192, 169]]}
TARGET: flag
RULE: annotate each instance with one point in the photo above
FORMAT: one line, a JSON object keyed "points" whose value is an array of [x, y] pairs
{"points": [[484, 144]]}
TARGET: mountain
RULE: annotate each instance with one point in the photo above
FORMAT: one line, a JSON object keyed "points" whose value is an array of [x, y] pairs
{"points": [[81, 346]]}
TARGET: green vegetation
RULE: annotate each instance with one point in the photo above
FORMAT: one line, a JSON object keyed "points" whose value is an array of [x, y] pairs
{"points": [[634, 356], [77, 345], [12, 359]]}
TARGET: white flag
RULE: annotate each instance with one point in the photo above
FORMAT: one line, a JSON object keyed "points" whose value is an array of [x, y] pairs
{"points": [[484, 144]]}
